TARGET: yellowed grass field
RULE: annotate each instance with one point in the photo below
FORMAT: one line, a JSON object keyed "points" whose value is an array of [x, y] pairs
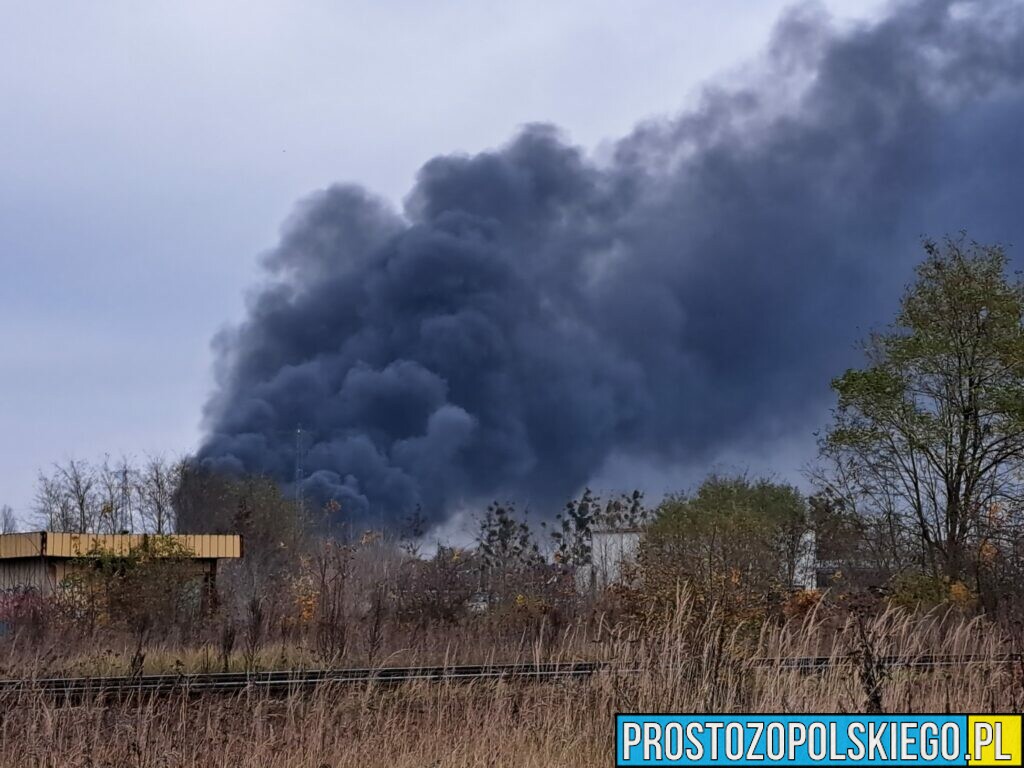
{"points": [[689, 664]]}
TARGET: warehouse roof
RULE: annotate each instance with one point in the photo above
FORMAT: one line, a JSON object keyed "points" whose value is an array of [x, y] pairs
{"points": [[66, 545]]}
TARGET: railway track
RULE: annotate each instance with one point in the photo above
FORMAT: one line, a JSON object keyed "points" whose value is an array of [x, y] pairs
{"points": [[290, 681], [926, 661]]}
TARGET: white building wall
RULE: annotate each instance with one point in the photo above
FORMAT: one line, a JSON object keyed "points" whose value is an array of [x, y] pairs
{"points": [[805, 574], [610, 554]]}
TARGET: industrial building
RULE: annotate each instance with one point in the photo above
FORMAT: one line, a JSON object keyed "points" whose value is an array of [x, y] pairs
{"points": [[42, 561], [612, 551]]}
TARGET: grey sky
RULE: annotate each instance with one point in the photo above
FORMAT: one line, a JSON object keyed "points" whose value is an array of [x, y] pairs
{"points": [[150, 151]]}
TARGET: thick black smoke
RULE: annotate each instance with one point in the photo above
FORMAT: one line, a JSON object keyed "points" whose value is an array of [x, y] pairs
{"points": [[533, 311]]}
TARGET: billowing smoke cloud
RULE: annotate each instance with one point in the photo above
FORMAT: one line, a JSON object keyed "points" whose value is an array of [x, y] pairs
{"points": [[533, 311]]}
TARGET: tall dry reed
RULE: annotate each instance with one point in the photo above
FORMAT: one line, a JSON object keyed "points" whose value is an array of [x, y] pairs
{"points": [[688, 663]]}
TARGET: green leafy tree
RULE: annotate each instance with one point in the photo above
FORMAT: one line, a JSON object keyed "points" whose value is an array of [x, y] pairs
{"points": [[735, 542], [505, 541], [574, 526], [929, 435], [507, 554]]}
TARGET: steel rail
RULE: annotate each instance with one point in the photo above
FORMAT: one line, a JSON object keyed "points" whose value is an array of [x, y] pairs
{"points": [[292, 680], [925, 661], [287, 681]]}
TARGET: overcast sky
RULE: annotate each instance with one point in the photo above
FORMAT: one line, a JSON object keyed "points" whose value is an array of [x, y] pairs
{"points": [[150, 151]]}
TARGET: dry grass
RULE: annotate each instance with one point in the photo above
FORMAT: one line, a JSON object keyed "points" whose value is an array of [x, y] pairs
{"points": [[111, 654], [691, 663]]}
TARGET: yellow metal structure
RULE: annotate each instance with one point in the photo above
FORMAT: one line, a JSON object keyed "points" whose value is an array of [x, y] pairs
{"points": [[41, 561], [21, 545], [49, 544]]}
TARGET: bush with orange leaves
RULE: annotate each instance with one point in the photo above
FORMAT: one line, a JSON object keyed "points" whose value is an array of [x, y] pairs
{"points": [[915, 590], [801, 603]]}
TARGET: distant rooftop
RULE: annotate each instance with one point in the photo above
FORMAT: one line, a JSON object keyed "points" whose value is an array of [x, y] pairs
{"points": [[67, 545]]}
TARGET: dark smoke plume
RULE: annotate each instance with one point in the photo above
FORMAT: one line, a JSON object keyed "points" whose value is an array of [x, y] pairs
{"points": [[533, 311]]}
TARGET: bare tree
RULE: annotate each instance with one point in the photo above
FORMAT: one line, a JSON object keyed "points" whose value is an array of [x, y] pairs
{"points": [[111, 496], [77, 482], [332, 562], [53, 507], [156, 484], [80, 497], [116, 504], [255, 631], [8, 522]]}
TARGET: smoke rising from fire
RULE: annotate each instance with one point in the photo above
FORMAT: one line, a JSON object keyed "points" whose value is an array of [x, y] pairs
{"points": [[534, 310]]}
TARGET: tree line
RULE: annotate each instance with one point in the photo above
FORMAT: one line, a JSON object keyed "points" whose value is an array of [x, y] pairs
{"points": [[109, 496], [918, 495]]}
